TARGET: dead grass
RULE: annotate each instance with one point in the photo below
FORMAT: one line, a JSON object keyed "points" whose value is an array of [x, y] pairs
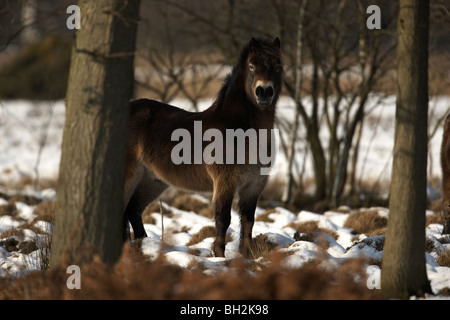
{"points": [[429, 245], [444, 259], [184, 202], [261, 247], [27, 199], [25, 182], [134, 278], [10, 244], [13, 238], [437, 217], [366, 221], [205, 232], [444, 292], [188, 203], [154, 207], [307, 231], [45, 211], [140, 279], [27, 247], [13, 232], [8, 210]]}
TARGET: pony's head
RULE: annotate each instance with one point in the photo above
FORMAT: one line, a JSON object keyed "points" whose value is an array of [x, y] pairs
{"points": [[264, 72]]}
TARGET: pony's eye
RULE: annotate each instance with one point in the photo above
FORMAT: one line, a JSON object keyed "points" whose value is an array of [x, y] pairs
{"points": [[277, 68], [251, 67]]}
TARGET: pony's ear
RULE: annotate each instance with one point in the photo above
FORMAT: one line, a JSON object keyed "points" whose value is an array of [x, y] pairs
{"points": [[277, 42], [253, 44]]}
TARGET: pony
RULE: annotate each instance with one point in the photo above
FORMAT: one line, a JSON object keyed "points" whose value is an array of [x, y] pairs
{"points": [[246, 101]]}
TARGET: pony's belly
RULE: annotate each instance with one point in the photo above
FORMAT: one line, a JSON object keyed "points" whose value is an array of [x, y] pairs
{"points": [[188, 177]]}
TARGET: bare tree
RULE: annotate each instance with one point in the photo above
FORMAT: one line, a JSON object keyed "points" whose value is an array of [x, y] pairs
{"points": [[287, 194], [171, 62], [344, 67], [403, 267], [89, 209]]}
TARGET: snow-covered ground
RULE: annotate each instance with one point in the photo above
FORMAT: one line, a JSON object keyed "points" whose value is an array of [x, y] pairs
{"points": [[30, 139], [181, 226]]}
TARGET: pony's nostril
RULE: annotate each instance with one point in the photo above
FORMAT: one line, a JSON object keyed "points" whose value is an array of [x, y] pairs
{"points": [[264, 93], [260, 92]]}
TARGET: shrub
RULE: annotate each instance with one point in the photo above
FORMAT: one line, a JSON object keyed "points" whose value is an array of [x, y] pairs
{"points": [[444, 259], [39, 72], [45, 211], [187, 202], [367, 222], [205, 232], [261, 247], [8, 210], [133, 278], [306, 231]]}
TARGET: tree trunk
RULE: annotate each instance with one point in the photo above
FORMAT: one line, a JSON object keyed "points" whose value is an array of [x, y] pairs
{"points": [[287, 193], [89, 213], [445, 166], [30, 33], [403, 269], [340, 176], [312, 130]]}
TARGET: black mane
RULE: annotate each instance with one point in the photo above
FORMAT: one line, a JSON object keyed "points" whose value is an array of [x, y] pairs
{"points": [[231, 78]]}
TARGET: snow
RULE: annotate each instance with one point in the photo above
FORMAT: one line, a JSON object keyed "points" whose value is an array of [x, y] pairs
{"points": [[29, 127], [24, 153], [300, 252], [25, 212], [7, 222]]}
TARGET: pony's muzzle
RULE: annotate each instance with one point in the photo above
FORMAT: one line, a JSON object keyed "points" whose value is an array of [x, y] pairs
{"points": [[264, 93]]}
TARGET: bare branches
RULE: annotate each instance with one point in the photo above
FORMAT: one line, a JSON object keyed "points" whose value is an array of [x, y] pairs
{"points": [[287, 194]]}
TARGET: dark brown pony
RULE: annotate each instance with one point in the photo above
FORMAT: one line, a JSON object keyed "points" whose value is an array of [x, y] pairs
{"points": [[246, 100], [445, 164]]}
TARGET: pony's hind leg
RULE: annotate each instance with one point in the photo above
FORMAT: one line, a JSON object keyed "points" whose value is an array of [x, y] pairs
{"points": [[147, 190], [133, 213]]}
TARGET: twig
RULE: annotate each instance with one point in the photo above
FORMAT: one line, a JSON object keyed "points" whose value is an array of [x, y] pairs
{"points": [[162, 220]]}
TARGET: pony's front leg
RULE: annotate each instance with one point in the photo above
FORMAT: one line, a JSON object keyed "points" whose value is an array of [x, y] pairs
{"points": [[445, 209], [222, 215], [222, 218], [247, 206], [248, 200]]}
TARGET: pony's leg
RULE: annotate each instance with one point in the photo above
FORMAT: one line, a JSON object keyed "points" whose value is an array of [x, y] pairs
{"points": [[247, 208], [133, 214], [248, 199], [147, 190], [223, 198], [445, 209], [133, 175]]}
